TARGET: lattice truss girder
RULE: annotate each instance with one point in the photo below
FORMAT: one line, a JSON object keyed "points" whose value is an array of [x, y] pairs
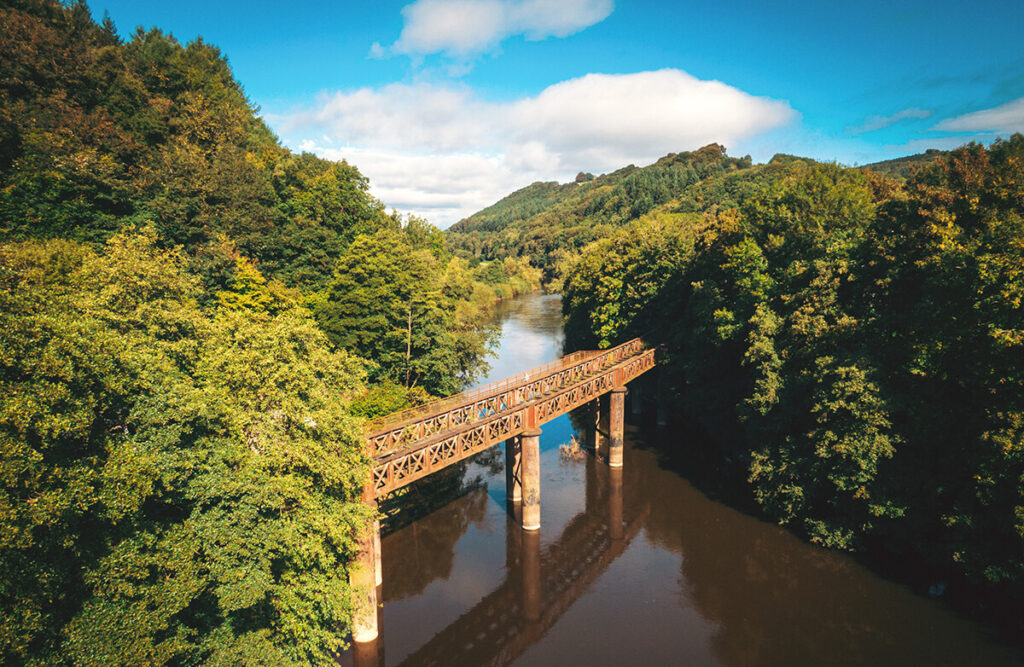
{"points": [[403, 435], [399, 468]]}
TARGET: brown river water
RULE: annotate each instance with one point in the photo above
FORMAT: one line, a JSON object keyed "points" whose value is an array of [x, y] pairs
{"points": [[631, 568]]}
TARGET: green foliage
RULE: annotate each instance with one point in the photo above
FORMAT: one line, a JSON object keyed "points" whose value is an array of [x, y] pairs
{"points": [[98, 133], [387, 303], [865, 337], [178, 486], [545, 219], [180, 448]]}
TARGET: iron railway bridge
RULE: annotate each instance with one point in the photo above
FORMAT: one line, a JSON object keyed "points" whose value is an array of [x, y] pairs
{"points": [[410, 445]]}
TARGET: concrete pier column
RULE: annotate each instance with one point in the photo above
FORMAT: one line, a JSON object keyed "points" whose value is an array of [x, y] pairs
{"points": [[513, 471], [616, 417], [530, 457], [378, 569], [531, 584], [615, 528], [363, 579]]}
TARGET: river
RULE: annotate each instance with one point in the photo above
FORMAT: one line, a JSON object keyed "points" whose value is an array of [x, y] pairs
{"points": [[685, 580]]}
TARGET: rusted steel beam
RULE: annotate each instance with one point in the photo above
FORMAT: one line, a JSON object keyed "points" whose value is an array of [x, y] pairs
{"points": [[401, 429], [396, 469]]}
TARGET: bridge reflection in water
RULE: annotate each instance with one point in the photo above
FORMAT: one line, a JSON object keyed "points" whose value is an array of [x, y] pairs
{"points": [[408, 446], [540, 585]]}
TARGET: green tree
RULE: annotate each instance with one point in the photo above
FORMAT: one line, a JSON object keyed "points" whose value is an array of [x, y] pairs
{"points": [[177, 486], [387, 303]]}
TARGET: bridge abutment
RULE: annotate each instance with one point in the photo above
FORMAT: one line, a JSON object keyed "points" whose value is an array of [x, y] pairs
{"points": [[530, 467]]}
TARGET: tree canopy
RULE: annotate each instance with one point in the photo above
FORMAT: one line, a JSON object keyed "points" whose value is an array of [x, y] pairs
{"points": [[857, 342]]}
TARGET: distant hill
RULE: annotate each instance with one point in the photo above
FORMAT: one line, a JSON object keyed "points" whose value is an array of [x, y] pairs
{"points": [[548, 221], [904, 166], [543, 220]]}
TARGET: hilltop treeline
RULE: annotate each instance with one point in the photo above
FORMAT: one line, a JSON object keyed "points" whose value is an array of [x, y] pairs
{"points": [[193, 321], [856, 341], [548, 222]]}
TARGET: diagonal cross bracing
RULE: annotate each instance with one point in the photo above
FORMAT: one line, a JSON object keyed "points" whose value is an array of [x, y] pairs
{"points": [[415, 443]]}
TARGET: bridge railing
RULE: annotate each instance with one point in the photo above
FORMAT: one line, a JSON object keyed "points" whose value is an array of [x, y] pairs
{"points": [[470, 395], [403, 428]]}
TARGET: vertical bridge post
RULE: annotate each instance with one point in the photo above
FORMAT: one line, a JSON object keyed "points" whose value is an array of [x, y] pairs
{"points": [[364, 577], [616, 418], [530, 453]]}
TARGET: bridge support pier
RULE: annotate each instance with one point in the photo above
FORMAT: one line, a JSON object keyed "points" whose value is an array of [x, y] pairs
{"points": [[513, 471], [378, 569], [616, 417], [364, 578], [530, 466]]}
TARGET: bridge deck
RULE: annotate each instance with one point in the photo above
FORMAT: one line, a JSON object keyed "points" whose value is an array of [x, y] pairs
{"points": [[412, 444]]}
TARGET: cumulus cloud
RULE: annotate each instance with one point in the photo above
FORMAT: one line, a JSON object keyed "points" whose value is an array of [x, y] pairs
{"points": [[440, 151], [1007, 117], [872, 123], [417, 117], [468, 27], [441, 187], [607, 120]]}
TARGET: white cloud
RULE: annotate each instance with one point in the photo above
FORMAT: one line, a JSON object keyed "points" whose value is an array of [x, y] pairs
{"points": [[604, 121], [872, 123], [443, 153], [1007, 117], [418, 117], [468, 27], [441, 187]]}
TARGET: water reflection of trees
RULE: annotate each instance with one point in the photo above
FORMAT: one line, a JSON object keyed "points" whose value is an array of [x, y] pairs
{"points": [[779, 601], [424, 521]]}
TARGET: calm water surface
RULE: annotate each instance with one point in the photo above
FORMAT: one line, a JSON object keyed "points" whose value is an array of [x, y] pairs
{"points": [[638, 569]]}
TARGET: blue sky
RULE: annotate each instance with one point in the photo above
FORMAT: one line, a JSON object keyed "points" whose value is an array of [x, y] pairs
{"points": [[448, 105]]}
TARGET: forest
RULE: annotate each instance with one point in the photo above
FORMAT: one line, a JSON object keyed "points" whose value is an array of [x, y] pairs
{"points": [[194, 323], [852, 339]]}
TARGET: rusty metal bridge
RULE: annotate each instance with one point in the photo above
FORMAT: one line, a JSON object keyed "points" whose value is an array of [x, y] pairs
{"points": [[412, 444], [409, 445]]}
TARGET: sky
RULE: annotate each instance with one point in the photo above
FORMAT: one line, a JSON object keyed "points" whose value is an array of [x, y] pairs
{"points": [[449, 105]]}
